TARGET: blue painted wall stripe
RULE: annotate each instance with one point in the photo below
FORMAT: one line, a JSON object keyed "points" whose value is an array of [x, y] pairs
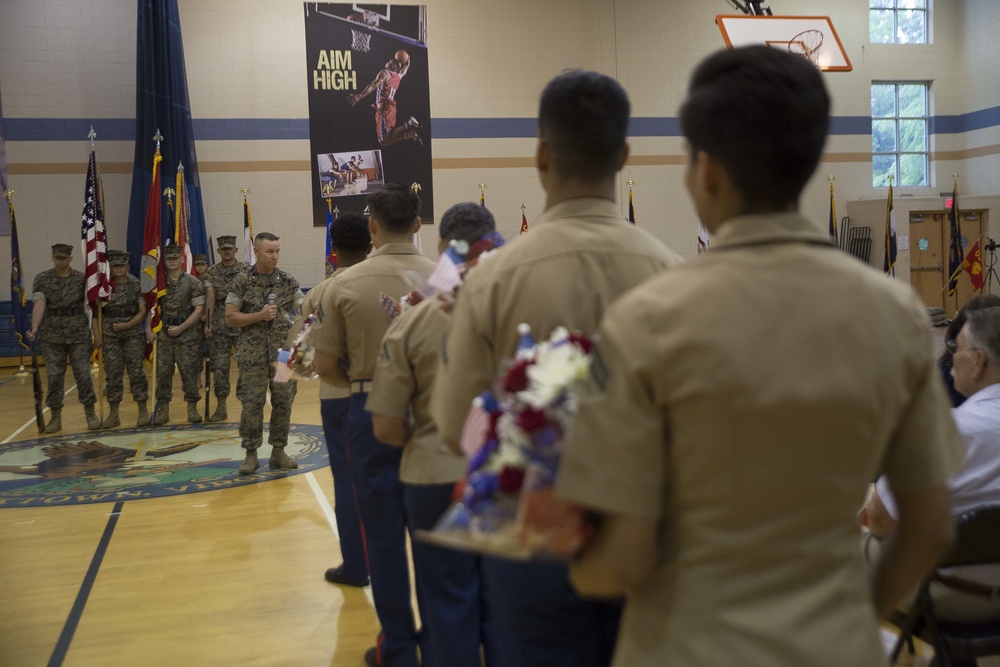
{"points": [[278, 129], [62, 646]]}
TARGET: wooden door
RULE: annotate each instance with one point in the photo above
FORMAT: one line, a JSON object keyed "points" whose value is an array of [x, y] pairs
{"points": [[928, 255]]}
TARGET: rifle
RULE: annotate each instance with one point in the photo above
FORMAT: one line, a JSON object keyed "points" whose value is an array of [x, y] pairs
{"points": [[37, 381]]}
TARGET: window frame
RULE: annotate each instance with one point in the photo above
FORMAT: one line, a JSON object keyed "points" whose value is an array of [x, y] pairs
{"points": [[895, 10], [897, 119]]}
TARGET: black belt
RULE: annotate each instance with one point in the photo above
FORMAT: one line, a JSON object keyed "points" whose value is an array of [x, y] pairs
{"points": [[174, 321], [991, 593], [121, 311], [65, 312]]}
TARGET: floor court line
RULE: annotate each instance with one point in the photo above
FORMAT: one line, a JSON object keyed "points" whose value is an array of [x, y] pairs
{"points": [[32, 420], [62, 646], [331, 518]]}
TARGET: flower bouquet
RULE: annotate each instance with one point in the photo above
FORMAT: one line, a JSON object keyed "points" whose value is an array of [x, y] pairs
{"points": [[514, 440], [297, 363]]}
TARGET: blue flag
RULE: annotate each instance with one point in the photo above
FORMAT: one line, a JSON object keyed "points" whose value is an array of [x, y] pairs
{"points": [[331, 254], [162, 104]]}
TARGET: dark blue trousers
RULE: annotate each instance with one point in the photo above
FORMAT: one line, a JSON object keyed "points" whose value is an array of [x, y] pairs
{"points": [[542, 622], [380, 499], [352, 540], [455, 609]]}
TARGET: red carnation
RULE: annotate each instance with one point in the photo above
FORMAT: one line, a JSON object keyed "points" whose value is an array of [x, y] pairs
{"points": [[516, 378], [583, 342], [511, 479], [531, 419]]}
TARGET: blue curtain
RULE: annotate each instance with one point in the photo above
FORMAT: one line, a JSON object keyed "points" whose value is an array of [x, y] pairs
{"points": [[161, 102]]}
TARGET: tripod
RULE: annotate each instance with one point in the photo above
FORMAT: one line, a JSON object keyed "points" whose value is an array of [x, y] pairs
{"points": [[991, 271]]}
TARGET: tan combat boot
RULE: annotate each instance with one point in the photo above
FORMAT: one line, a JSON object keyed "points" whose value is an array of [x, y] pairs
{"points": [[280, 461], [162, 414], [143, 419], [113, 418], [249, 463], [220, 414], [55, 421], [93, 423], [194, 417]]}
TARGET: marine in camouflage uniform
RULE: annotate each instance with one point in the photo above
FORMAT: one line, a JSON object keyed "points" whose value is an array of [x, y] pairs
{"points": [[122, 342], [58, 320], [179, 340], [264, 322], [221, 339]]}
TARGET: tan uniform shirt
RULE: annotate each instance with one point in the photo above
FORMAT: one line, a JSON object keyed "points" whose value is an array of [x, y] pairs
{"points": [[745, 400], [351, 317], [404, 379], [312, 301], [578, 258]]}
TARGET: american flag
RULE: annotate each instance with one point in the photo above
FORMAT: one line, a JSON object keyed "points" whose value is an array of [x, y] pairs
{"points": [[94, 242], [477, 425], [392, 307], [447, 275]]}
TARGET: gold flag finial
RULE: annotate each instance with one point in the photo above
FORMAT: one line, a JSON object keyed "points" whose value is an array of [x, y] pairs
{"points": [[416, 187], [9, 196], [244, 191], [832, 178], [327, 190], [954, 176], [169, 194], [891, 179], [630, 183], [482, 188], [157, 138]]}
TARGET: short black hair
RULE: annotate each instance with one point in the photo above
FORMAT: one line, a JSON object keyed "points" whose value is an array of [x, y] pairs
{"points": [[395, 207], [583, 118], [264, 236], [763, 113], [350, 233], [467, 221]]}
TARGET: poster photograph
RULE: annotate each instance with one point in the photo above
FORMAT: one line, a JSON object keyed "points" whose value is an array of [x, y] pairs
{"points": [[369, 102]]}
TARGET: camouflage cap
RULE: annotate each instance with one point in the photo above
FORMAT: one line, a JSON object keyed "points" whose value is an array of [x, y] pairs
{"points": [[62, 250], [200, 258], [173, 251], [226, 242], [117, 257]]}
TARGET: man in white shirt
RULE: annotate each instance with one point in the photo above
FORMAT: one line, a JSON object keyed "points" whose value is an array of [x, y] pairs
{"points": [[969, 593]]}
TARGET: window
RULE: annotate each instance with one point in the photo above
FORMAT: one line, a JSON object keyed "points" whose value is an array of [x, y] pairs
{"points": [[899, 134], [897, 21]]}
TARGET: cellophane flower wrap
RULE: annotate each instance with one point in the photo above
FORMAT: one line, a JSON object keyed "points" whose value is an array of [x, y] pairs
{"points": [[297, 363], [514, 439]]}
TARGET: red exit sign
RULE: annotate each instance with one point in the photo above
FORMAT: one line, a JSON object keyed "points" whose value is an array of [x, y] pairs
{"points": [[948, 202]]}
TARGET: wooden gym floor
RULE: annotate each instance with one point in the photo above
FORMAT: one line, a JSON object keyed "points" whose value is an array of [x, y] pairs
{"points": [[233, 576]]}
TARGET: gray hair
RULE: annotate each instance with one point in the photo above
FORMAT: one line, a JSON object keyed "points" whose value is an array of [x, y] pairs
{"points": [[984, 332]]}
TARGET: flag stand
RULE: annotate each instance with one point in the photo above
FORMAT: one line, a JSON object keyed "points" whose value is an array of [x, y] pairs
{"points": [[22, 371]]}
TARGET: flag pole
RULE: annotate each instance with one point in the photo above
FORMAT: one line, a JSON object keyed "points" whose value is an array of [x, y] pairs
{"points": [[152, 416], [954, 206]]}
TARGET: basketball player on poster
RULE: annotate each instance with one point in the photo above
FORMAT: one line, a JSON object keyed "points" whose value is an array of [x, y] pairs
{"points": [[385, 86]]}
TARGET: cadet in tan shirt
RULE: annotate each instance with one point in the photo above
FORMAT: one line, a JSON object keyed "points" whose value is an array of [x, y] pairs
{"points": [[453, 603], [579, 256], [740, 405], [347, 337]]}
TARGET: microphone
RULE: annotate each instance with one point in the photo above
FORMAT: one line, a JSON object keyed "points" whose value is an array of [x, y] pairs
{"points": [[272, 300]]}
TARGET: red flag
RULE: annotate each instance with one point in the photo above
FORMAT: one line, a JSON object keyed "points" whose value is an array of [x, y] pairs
{"points": [[153, 283], [97, 271], [524, 223], [973, 264]]}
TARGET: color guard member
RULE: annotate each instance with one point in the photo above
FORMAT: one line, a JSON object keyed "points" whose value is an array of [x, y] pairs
{"points": [[221, 338]]}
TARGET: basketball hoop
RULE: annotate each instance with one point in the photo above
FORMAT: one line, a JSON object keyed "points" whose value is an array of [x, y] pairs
{"points": [[806, 44]]}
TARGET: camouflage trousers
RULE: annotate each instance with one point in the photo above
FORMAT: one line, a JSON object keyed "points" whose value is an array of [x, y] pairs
{"points": [[220, 348], [185, 352], [120, 353], [55, 363], [251, 388]]}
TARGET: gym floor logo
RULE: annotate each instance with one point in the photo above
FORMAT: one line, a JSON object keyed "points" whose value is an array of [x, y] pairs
{"points": [[131, 464]]}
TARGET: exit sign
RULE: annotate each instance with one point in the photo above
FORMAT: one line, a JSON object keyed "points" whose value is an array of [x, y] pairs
{"points": [[948, 202]]}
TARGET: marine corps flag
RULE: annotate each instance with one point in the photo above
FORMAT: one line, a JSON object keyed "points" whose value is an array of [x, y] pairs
{"points": [[973, 265], [151, 278], [182, 233]]}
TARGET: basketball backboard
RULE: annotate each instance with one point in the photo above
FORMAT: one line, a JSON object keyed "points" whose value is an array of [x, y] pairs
{"points": [[812, 37]]}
